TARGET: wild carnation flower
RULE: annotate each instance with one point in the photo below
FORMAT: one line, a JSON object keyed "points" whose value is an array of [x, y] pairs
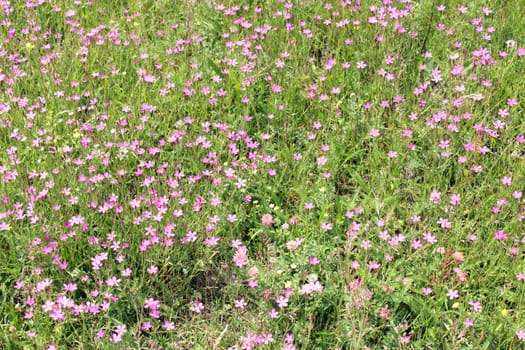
{"points": [[452, 294], [197, 307]]}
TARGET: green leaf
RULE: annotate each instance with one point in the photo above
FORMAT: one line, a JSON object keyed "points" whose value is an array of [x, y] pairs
{"points": [[215, 68]]}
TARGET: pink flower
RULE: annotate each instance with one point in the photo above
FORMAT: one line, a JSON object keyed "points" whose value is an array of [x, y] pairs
{"points": [[361, 65], [113, 281], [240, 304], [392, 154], [151, 304], [282, 301], [426, 290], [240, 258], [294, 244], [476, 305], [506, 181], [404, 339], [325, 226], [385, 312], [435, 196], [267, 220], [197, 307], [455, 199], [313, 260], [444, 223], [169, 326], [146, 326], [273, 313], [452, 294], [468, 322], [310, 288], [276, 88], [500, 235]]}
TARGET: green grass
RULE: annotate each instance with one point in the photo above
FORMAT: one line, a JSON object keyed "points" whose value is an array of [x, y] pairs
{"points": [[262, 174]]}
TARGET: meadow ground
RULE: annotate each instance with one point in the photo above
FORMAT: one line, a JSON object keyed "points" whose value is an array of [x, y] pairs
{"points": [[262, 174]]}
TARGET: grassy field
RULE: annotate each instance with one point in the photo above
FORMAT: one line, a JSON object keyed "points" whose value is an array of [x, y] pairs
{"points": [[262, 174]]}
